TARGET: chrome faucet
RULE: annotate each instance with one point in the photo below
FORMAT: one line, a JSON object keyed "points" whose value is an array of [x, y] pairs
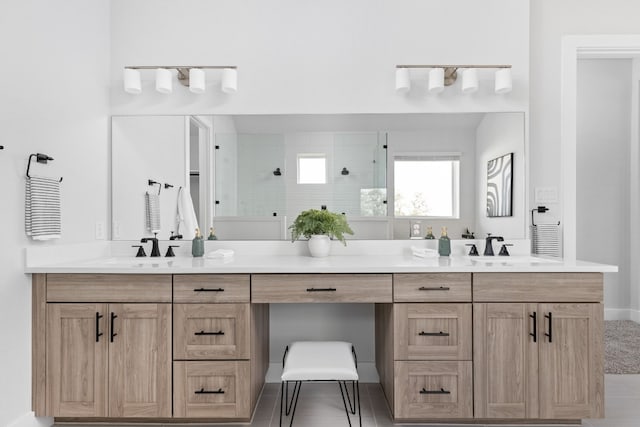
{"points": [[155, 250], [488, 249]]}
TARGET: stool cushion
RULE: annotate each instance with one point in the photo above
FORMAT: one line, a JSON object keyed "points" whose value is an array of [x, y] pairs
{"points": [[319, 361]]}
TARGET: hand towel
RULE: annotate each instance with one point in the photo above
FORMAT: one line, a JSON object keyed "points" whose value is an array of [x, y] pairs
{"points": [[221, 253], [42, 208], [186, 220], [152, 212], [545, 239]]}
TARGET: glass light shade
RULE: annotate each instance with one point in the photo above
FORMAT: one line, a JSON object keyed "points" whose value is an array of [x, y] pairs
{"points": [[229, 80], [436, 80], [403, 82], [503, 80], [196, 80], [163, 80], [132, 83], [470, 80]]}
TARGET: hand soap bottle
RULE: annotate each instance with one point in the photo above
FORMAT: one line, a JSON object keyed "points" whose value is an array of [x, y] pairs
{"points": [[444, 244], [212, 234], [197, 245]]}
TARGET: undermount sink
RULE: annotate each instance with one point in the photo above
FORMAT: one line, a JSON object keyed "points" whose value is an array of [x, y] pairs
{"points": [[517, 259], [161, 262]]}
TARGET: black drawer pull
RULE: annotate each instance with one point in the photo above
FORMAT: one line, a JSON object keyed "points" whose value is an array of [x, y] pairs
{"points": [[441, 391], [434, 334], [434, 288], [321, 289], [203, 391], [98, 333], [113, 318], [209, 333], [550, 334], [209, 290], [534, 334]]}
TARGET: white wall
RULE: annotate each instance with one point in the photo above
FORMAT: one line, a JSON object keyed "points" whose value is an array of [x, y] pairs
{"points": [[550, 21], [318, 57], [55, 100], [497, 135], [603, 147]]}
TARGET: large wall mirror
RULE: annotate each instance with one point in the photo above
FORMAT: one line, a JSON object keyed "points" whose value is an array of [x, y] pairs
{"points": [[248, 176]]}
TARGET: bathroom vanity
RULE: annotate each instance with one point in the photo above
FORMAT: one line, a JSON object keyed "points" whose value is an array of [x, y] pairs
{"points": [[187, 340]]}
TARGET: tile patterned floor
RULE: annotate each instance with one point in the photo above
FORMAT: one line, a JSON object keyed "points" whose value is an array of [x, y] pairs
{"points": [[320, 405]]}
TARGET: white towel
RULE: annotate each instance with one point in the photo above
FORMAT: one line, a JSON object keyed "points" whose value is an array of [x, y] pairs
{"points": [[186, 221], [221, 253], [42, 208], [152, 212]]}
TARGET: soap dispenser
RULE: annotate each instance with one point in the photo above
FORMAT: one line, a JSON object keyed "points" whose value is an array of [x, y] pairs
{"points": [[444, 244], [212, 234], [429, 235], [197, 245]]}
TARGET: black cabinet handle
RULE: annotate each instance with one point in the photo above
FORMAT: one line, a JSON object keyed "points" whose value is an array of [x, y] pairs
{"points": [[209, 333], [434, 334], [434, 288], [441, 391], [98, 333], [321, 289], [113, 318], [209, 290], [534, 334], [550, 334], [203, 391]]}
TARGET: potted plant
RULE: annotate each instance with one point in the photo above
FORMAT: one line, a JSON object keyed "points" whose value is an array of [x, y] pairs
{"points": [[319, 226]]}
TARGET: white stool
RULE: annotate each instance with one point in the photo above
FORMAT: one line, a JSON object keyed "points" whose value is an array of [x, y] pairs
{"points": [[319, 361]]}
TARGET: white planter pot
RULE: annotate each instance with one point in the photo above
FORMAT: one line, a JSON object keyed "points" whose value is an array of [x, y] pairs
{"points": [[319, 245]]}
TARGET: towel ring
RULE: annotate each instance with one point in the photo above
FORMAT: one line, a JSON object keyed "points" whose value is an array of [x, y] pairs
{"points": [[159, 184], [40, 158]]}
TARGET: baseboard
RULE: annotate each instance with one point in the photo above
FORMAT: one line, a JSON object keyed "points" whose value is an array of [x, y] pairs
{"points": [[366, 371], [30, 420], [617, 314], [635, 315]]}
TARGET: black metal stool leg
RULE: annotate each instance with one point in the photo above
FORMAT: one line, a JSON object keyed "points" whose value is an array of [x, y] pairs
{"points": [[281, 399], [359, 410], [344, 402], [295, 405]]}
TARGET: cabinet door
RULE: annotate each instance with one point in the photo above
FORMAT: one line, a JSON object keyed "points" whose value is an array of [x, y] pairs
{"points": [[211, 331], [140, 360], [571, 361], [432, 331], [76, 360], [505, 361]]}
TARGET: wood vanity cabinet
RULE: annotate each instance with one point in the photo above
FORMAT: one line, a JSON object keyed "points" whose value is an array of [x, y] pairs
{"points": [[108, 354], [538, 360]]}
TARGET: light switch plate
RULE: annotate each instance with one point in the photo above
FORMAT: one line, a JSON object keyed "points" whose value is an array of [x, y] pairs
{"points": [[546, 195]]}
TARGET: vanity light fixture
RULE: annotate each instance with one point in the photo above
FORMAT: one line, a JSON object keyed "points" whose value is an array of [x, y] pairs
{"points": [[188, 75], [441, 76]]}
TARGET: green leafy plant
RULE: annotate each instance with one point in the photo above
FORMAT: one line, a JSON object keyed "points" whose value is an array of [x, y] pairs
{"points": [[314, 221]]}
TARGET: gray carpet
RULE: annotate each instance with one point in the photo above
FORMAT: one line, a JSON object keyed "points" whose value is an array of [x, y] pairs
{"points": [[621, 347]]}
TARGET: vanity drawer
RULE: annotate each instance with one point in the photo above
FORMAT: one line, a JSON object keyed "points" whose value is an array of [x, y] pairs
{"points": [[537, 287], [211, 389], [433, 390], [431, 287], [108, 288], [205, 288], [211, 331], [432, 331], [294, 288]]}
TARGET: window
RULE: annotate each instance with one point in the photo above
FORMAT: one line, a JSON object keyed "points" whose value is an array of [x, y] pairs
{"points": [[312, 168], [427, 185]]}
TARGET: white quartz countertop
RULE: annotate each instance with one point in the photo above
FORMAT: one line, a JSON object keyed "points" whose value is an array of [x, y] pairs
{"points": [[305, 264]]}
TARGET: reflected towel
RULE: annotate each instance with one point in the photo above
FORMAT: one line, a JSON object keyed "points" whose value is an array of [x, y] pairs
{"points": [[186, 220], [152, 212], [42, 208]]}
